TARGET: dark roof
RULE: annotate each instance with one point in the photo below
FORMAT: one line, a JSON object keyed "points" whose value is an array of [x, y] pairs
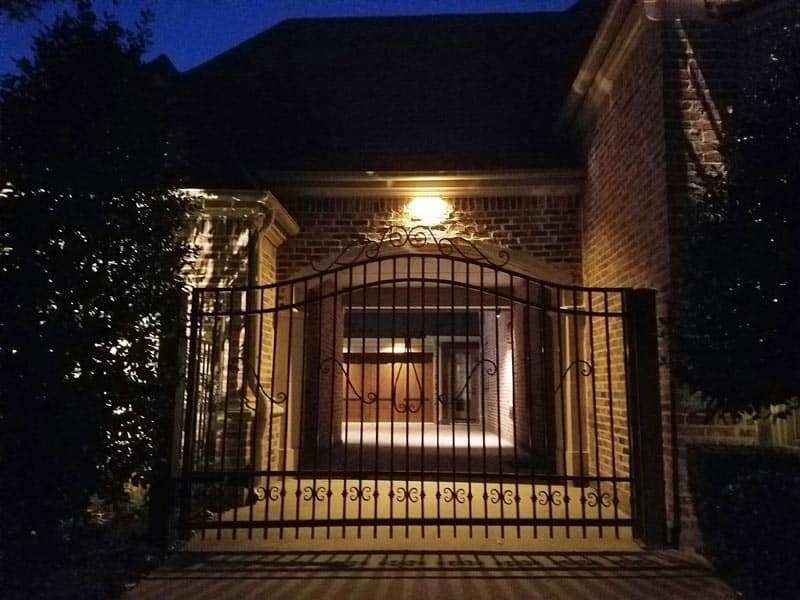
{"points": [[162, 65], [445, 92]]}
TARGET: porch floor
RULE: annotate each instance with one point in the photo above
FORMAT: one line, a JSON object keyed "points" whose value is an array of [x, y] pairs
{"points": [[430, 435], [420, 447]]}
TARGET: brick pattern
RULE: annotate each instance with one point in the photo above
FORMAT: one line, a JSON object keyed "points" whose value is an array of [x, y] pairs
{"points": [[245, 430], [608, 442], [700, 72], [323, 382], [269, 426], [652, 145], [221, 251], [495, 387], [545, 227], [625, 225]]}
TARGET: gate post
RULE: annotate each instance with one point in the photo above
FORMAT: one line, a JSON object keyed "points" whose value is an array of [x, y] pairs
{"points": [[163, 493], [644, 417], [189, 416]]}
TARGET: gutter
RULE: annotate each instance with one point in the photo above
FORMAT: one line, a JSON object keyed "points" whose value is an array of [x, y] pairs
{"points": [[606, 35]]}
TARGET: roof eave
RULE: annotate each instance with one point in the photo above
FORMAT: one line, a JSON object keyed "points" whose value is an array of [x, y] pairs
{"points": [[444, 183]]}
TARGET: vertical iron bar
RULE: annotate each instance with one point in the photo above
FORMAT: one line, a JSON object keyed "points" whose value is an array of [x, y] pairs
{"points": [[209, 449], [393, 399], [335, 348], [564, 407], [287, 406], [592, 361], [499, 407], [615, 499], [347, 324], [468, 399], [484, 420], [578, 375], [211, 406], [545, 397], [511, 324], [423, 395], [302, 458], [319, 401], [378, 313], [452, 388], [227, 380], [364, 397], [408, 376], [243, 334], [190, 417], [254, 442], [438, 377]]}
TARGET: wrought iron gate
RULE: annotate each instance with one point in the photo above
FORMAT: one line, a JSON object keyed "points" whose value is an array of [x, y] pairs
{"points": [[415, 385]]}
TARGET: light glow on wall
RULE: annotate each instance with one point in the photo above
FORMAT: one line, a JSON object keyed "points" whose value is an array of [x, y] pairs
{"points": [[427, 211]]}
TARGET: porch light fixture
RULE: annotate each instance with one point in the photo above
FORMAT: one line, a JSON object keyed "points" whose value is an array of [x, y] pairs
{"points": [[427, 211]]}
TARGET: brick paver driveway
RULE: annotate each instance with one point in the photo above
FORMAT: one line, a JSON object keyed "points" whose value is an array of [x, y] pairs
{"points": [[414, 575]]}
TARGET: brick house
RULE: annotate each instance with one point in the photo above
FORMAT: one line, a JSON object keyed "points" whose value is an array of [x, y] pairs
{"points": [[432, 254]]}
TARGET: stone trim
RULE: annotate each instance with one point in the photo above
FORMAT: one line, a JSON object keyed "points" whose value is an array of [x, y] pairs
{"points": [[463, 184]]}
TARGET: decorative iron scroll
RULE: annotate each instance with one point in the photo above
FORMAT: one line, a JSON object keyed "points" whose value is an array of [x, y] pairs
{"points": [[506, 496], [586, 369], [262, 493], [404, 405], [317, 494], [328, 363], [458, 495], [397, 236], [552, 497], [491, 371], [595, 499], [408, 494], [255, 384], [360, 493], [400, 405]]}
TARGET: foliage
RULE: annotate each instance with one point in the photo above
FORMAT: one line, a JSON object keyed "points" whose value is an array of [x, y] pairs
{"points": [[746, 504], [738, 325], [21, 10], [102, 557], [89, 263]]}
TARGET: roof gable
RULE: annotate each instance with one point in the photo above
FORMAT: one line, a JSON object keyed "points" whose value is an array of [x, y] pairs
{"points": [[400, 93]]}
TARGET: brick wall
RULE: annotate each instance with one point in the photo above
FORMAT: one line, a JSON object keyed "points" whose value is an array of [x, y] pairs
{"points": [[245, 429], [221, 245], [323, 383], [699, 64], [603, 390], [221, 251], [545, 227], [652, 143], [625, 225]]}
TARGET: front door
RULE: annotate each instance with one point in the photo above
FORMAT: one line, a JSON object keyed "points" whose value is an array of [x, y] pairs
{"points": [[460, 383]]}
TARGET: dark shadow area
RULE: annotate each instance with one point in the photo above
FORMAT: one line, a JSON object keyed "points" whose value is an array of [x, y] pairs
{"points": [[376, 565]]}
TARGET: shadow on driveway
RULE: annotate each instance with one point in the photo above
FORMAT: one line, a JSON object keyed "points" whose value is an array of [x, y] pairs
{"points": [[432, 575]]}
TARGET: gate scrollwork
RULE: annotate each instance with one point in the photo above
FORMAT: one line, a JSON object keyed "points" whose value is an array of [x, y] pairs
{"points": [[420, 236]]}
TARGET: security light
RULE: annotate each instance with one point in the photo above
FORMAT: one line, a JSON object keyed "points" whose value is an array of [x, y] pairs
{"points": [[427, 210]]}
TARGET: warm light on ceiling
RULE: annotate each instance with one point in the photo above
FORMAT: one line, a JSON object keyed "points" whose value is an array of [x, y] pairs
{"points": [[427, 210]]}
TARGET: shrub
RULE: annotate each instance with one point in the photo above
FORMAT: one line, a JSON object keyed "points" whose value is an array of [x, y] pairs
{"points": [[746, 503]]}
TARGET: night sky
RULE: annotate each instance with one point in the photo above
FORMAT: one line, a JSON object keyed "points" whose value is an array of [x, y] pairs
{"points": [[192, 31]]}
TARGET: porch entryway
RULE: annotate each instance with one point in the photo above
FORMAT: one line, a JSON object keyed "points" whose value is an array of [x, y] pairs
{"points": [[415, 387]]}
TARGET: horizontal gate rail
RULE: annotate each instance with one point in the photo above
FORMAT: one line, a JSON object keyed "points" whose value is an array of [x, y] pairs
{"points": [[542, 522]]}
